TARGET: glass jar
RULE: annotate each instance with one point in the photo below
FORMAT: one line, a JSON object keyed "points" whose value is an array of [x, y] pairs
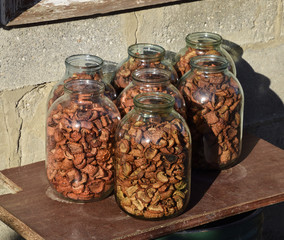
{"points": [[215, 103], [81, 66], [149, 80], [153, 159], [142, 55], [80, 142], [200, 44]]}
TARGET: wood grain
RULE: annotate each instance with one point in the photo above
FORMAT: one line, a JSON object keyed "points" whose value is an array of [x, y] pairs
{"points": [[11, 9], [48, 10], [257, 181]]}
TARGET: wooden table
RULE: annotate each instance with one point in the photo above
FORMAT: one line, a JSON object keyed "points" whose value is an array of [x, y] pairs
{"points": [[35, 213]]}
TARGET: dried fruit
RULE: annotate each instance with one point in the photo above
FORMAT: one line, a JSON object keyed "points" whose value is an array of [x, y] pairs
{"points": [[149, 183], [82, 66], [149, 80], [141, 56], [80, 147], [214, 110], [201, 44]]}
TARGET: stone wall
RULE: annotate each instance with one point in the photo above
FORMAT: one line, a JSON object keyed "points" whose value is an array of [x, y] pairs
{"points": [[32, 60]]}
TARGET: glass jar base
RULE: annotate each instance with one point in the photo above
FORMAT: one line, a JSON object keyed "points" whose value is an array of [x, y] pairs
{"points": [[54, 195], [141, 217]]}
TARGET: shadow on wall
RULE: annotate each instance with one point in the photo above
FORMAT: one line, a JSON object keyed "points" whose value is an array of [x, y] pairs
{"points": [[263, 110]]}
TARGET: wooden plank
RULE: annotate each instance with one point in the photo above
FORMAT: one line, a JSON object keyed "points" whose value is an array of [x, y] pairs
{"points": [[50, 10], [10, 9], [7, 186], [254, 183], [18, 225]]}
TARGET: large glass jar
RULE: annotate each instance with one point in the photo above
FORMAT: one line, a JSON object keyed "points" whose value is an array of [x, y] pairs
{"points": [[215, 101], [82, 66], [200, 44], [142, 55], [80, 142], [153, 159], [149, 80]]}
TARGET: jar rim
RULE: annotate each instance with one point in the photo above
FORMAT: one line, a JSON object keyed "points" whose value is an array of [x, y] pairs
{"points": [[84, 61], [203, 39], [146, 51], [151, 75], [210, 63], [154, 101], [84, 86]]}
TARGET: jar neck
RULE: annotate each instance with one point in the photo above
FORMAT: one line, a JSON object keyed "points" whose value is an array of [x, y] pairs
{"points": [[209, 64], [203, 40], [83, 63], [151, 77], [154, 103], [84, 90], [146, 52]]}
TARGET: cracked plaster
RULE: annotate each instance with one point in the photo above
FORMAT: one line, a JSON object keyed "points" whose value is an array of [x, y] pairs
{"points": [[10, 128], [32, 110], [35, 55], [22, 125], [32, 58]]}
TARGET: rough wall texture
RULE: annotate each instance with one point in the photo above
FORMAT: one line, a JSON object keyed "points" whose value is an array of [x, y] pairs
{"points": [[32, 60]]}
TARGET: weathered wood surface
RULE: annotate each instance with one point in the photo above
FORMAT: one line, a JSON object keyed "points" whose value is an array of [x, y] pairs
{"points": [[10, 9], [256, 182], [50, 10]]}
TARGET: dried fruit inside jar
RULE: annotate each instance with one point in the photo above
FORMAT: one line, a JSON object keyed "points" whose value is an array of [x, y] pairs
{"points": [[214, 99], [153, 159], [82, 66], [149, 80], [80, 142], [201, 44], [142, 55]]}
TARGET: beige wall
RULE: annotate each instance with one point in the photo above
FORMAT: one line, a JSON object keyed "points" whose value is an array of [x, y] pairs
{"points": [[32, 59]]}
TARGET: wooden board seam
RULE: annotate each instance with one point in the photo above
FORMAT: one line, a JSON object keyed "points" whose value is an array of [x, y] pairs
{"points": [[17, 225], [13, 186]]}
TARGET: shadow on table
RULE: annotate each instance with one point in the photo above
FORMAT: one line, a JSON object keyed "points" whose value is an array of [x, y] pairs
{"points": [[263, 108], [248, 144], [200, 183], [202, 180]]}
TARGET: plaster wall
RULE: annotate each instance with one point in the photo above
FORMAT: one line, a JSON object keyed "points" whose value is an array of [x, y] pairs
{"points": [[32, 60]]}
